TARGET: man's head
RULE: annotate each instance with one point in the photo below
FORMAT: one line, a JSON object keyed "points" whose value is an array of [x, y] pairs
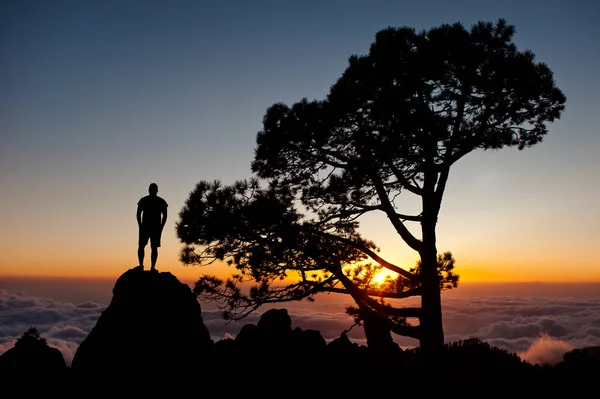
{"points": [[153, 189]]}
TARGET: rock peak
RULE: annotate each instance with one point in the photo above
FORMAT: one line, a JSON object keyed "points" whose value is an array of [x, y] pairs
{"points": [[153, 323]]}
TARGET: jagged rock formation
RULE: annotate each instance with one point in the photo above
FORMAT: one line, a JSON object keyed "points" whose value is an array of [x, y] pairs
{"points": [[153, 325], [274, 333], [272, 349]]}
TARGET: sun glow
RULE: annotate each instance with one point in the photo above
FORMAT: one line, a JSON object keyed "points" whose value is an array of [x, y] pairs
{"points": [[380, 277]]}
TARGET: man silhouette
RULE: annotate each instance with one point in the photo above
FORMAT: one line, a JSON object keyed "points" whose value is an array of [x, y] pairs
{"points": [[151, 217]]}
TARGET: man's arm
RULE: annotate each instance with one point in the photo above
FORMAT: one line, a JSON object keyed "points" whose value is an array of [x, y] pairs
{"points": [[138, 216], [164, 218]]}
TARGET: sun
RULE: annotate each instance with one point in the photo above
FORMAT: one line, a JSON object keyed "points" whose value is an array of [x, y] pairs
{"points": [[380, 277]]}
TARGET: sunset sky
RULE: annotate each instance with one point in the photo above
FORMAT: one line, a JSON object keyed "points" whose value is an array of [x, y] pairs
{"points": [[98, 99]]}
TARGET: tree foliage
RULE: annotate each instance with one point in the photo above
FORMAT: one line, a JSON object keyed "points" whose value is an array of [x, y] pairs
{"points": [[260, 232], [31, 339]]}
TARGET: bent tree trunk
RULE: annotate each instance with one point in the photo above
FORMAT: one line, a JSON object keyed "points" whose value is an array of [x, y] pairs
{"points": [[377, 332]]}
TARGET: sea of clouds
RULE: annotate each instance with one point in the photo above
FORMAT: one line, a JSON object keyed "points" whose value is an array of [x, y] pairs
{"points": [[538, 329]]}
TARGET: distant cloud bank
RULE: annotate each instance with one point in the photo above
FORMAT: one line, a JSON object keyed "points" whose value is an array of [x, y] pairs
{"points": [[63, 324], [538, 330]]}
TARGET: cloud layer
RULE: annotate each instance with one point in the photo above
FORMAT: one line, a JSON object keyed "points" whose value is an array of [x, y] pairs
{"points": [[539, 330], [63, 324]]}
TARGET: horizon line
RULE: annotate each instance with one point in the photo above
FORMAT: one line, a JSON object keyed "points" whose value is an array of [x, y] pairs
{"points": [[78, 277]]}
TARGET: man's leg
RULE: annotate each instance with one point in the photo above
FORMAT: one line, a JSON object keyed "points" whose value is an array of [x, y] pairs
{"points": [[141, 255], [154, 244], [154, 257], [142, 242]]}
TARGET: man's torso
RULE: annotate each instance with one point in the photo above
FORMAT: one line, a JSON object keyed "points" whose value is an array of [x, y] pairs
{"points": [[152, 208]]}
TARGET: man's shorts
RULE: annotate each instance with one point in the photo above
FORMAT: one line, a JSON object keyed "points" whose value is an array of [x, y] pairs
{"points": [[150, 234]]}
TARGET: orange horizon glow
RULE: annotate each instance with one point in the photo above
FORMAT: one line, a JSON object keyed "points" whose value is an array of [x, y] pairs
{"points": [[496, 272], [495, 261]]}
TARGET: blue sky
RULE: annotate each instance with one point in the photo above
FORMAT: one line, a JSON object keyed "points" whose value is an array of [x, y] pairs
{"points": [[101, 98]]}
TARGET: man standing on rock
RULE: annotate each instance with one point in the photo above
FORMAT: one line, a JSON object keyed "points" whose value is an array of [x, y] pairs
{"points": [[151, 217]]}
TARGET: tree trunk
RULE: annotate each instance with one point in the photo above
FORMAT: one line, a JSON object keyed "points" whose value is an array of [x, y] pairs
{"points": [[377, 332], [432, 331]]}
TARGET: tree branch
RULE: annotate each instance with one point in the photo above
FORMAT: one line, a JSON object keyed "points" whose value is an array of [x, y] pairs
{"points": [[376, 293], [406, 235], [403, 180], [407, 331], [404, 312], [396, 295], [372, 254], [412, 218], [441, 186]]}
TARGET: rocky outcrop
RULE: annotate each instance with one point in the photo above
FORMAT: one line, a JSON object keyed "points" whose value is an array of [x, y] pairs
{"points": [[152, 326], [33, 368], [274, 334], [32, 356]]}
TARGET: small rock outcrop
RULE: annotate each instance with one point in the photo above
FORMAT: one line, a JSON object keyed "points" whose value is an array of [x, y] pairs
{"points": [[31, 356], [274, 334], [153, 325]]}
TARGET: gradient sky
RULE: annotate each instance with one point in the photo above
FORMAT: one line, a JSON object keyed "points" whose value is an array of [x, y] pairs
{"points": [[100, 98]]}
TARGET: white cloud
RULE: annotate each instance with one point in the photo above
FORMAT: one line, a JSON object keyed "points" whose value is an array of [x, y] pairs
{"points": [[546, 350]]}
